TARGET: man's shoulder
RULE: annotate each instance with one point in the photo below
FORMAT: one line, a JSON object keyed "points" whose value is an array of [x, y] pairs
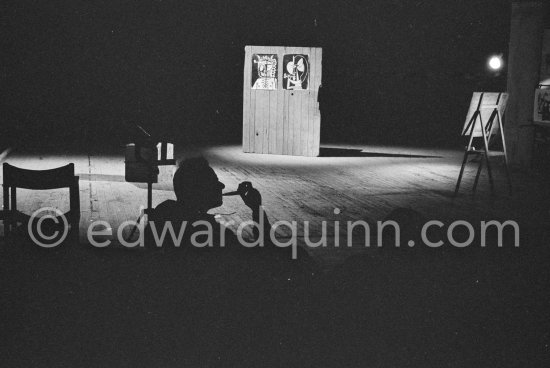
{"points": [[167, 210], [169, 203]]}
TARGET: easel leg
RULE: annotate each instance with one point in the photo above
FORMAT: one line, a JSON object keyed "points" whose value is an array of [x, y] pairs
{"points": [[461, 173], [478, 174], [505, 153], [471, 131], [486, 148], [489, 171]]}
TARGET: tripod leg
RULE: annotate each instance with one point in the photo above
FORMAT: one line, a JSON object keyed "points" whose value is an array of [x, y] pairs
{"points": [[134, 228], [145, 212], [478, 174], [150, 195]]}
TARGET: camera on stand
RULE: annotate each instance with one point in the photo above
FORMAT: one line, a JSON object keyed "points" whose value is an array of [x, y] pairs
{"points": [[141, 165]]}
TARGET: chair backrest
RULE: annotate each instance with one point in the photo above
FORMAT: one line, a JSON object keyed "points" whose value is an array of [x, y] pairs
{"points": [[60, 177]]}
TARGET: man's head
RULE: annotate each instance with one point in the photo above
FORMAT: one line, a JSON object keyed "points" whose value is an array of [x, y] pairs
{"points": [[197, 186]]}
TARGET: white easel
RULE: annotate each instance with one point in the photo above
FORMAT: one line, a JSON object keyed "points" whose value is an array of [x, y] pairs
{"points": [[492, 105]]}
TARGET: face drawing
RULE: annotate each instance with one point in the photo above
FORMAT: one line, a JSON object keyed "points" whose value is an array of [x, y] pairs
{"points": [[266, 75]]}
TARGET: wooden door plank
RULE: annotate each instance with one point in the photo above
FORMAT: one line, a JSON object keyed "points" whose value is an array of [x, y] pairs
{"points": [[280, 105], [289, 136], [312, 103], [291, 112], [273, 104], [252, 118], [272, 131], [257, 133], [290, 126], [314, 145], [298, 116], [246, 99], [304, 114], [317, 113], [269, 118], [262, 111], [266, 95]]}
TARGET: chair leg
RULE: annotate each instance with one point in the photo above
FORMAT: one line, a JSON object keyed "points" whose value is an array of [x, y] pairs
{"points": [[75, 211], [7, 213], [75, 233]]}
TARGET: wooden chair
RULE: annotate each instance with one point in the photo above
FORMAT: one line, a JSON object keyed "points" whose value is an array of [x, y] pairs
{"points": [[61, 177]]}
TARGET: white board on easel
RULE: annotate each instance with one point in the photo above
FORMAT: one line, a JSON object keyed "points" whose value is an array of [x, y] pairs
{"points": [[482, 106]]}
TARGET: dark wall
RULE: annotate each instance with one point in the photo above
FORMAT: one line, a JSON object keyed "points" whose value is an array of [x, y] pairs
{"points": [[393, 71]]}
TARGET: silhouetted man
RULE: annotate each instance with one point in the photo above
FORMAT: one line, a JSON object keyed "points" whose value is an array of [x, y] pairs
{"points": [[198, 190]]}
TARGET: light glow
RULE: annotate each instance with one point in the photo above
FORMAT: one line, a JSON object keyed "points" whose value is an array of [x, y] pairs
{"points": [[495, 62]]}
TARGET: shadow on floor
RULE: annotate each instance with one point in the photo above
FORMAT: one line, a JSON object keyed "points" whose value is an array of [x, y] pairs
{"points": [[348, 152]]}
